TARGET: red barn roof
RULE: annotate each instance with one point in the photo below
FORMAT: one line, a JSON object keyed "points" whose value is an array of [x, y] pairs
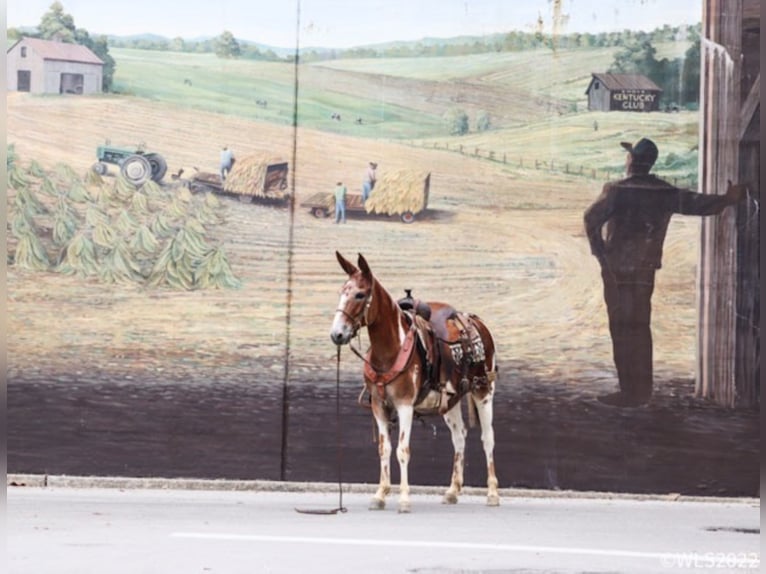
{"points": [[624, 82], [61, 51]]}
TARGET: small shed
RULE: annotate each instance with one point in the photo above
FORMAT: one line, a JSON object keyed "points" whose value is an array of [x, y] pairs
{"points": [[623, 92], [46, 67]]}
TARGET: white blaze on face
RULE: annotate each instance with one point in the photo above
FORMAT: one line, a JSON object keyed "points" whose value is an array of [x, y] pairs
{"points": [[341, 330]]}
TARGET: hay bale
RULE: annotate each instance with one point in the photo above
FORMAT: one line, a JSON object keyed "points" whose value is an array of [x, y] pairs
{"points": [[248, 176], [399, 191]]}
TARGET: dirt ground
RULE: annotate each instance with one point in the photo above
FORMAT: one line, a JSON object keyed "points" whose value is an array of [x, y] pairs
{"points": [[504, 243]]}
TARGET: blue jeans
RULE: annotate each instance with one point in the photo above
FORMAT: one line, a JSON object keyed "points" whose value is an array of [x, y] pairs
{"points": [[340, 211], [366, 190]]}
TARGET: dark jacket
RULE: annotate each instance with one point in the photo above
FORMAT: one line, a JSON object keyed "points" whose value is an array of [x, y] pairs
{"points": [[636, 212]]}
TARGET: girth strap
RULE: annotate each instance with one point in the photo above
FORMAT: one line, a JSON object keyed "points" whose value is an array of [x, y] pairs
{"points": [[400, 364]]}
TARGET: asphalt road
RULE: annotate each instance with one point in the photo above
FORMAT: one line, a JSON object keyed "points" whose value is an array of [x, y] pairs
{"points": [[116, 531]]}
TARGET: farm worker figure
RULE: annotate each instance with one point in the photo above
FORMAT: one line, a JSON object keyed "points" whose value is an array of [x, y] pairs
{"points": [[227, 161], [340, 202], [369, 181], [636, 212]]}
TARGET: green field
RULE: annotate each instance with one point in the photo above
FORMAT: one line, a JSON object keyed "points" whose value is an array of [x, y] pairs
{"points": [[535, 99]]}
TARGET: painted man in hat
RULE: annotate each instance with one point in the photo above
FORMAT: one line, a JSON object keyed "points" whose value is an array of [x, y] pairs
{"points": [[227, 162], [626, 228], [369, 180]]}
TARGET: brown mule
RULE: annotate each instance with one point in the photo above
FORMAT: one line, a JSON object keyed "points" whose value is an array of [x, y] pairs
{"points": [[418, 365]]}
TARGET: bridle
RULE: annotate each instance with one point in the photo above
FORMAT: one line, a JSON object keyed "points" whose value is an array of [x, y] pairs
{"points": [[361, 319]]}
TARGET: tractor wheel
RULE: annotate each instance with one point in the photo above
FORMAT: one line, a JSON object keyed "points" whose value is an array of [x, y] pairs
{"points": [[100, 168], [320, 212], [159, 166], [136, 169]]}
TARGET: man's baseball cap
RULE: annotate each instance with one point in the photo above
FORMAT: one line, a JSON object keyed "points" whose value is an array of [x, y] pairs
{"points": [[643, 152]]}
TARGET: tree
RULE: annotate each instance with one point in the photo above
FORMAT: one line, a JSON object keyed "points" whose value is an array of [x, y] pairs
{"points": [[483, 122], [636, 57], [14, 35], [690, 75], [57, 25], [226, 46], [457, 121], [177, 44], [100, 47]]}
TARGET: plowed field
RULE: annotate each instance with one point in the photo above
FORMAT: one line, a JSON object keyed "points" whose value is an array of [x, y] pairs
{"points": [[115, 379]]}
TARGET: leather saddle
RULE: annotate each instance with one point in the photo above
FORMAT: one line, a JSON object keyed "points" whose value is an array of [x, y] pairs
{"points": [[450, 345]]}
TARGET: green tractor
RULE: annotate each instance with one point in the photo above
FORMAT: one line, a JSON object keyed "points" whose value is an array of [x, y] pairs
{"points": [[136, 165]]}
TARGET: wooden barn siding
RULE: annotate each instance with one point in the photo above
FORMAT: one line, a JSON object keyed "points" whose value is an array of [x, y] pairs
{"points": [[46, 75], [748, 239], [32, 62], [727, 343], [599, 100], [92, 76]]}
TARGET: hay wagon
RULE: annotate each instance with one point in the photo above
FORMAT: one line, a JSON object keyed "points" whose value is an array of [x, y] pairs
{"points": [[255, 179], [402, 193]]}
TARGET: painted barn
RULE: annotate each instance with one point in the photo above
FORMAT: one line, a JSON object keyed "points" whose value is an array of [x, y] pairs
{"points": [[45, 67], [729, 356], [623, 92]]}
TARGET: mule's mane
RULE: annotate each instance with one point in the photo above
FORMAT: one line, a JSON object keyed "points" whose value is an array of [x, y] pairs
{"points": [[379, 294]]}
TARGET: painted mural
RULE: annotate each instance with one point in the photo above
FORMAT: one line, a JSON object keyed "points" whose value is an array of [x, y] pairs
{"points": [[171, 248]]}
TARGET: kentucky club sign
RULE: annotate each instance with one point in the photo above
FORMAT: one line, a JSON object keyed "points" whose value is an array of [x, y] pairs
{"points": [[635, 100]]}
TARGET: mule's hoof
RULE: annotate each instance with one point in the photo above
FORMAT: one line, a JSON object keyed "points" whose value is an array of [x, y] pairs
{"points": [[377, 504], [404, 508], [493, 500], [449, 498]]}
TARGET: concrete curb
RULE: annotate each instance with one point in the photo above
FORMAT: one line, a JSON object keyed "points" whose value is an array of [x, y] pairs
{"points": [[129, 483]]}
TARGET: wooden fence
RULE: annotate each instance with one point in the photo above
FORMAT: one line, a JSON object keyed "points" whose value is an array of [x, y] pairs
{"points": [[549, 165]]}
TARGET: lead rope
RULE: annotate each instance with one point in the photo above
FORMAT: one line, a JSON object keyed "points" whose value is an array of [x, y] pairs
{"points": [[340, 507]]}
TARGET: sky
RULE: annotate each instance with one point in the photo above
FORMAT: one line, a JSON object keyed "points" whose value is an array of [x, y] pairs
{"points": [[347, 23]]}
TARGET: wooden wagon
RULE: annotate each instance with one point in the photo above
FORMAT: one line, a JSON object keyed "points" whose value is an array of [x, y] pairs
{"points": [[251, 179], [402, 193]]}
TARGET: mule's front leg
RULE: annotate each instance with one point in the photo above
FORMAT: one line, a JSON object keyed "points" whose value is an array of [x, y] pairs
{"points": [[403, 454], [384, 452], [454, 420]]}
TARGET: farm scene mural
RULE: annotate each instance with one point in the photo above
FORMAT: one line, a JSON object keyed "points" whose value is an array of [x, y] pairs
{"points": [[181, 278]]}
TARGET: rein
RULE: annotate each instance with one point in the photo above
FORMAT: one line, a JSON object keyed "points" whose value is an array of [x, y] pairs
{"points": [[340, 507]]}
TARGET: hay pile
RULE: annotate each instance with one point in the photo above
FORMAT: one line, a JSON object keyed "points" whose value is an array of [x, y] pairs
{"points": [[151, 236], [399, 191], [248, 176]]}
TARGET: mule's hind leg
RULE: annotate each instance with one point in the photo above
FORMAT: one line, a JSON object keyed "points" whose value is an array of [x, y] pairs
{"points": [[484, 410], [404, 413], [378, 501], [454, 420]]}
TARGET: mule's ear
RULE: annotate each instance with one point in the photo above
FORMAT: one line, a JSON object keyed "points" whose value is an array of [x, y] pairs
{"points": [[347, 266], [363, 266]]}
